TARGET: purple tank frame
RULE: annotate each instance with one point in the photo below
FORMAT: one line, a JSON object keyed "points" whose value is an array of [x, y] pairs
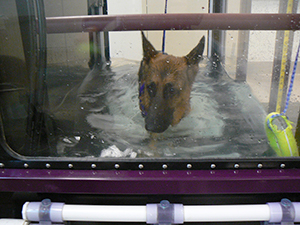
{"points": [[151, 182], [234, 181]]}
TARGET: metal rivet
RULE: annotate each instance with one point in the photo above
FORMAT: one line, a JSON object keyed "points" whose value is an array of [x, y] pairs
{"points": [[236, 166], [165, 166], [48, 165], [141, 166], [259, 165], [1, 165], [189, 166], [70, 166], [282, 165], [26, 165], [93, 166], [213, 166], [117, 166]]}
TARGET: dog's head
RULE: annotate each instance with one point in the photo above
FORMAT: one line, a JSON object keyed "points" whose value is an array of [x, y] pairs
{"points": [[165, 84]]}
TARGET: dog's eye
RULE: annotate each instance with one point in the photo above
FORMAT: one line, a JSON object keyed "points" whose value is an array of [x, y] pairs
{"points": [[169, 91], [151, 89]]}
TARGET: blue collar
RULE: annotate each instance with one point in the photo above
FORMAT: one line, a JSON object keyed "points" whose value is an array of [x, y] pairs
{"points": [[142, 107]]}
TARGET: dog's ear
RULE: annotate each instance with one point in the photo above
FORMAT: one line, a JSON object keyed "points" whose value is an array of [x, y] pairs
{"points": [[148, 49], [195, 55]]}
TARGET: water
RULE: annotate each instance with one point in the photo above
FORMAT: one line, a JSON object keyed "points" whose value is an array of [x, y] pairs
{"points": [[226, 120]]}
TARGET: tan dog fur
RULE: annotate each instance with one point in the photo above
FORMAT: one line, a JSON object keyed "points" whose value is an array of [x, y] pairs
{"points": [[165, 84]]}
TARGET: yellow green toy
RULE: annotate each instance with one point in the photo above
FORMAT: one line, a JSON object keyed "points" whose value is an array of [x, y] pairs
{"points": [[280, 135], [279, 128]]}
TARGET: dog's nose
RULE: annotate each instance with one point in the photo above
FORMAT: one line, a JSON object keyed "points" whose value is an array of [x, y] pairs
{"points": [[159, 115], [156, 125], [155, 128]]}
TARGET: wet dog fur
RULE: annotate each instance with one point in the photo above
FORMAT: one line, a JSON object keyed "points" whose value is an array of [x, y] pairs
{"points": [[165, 84]]}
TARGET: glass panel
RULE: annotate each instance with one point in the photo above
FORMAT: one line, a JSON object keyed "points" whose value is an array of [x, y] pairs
{"points": [[14, 80], [99, 101]]}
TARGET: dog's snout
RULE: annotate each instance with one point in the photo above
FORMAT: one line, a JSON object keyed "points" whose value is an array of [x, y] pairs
{"points": [[156, 126], [158, 119], [155, 129]]}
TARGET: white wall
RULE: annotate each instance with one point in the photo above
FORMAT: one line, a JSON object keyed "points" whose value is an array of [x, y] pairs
{"points": [[128, 44], [262, 43], [75, 47], [125, 44]]}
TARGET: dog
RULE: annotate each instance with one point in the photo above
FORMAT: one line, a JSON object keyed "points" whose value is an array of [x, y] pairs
{"points": [[165, 84]]}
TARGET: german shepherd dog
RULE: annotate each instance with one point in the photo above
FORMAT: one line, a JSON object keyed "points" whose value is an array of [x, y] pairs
{"points": [[165, 84]]}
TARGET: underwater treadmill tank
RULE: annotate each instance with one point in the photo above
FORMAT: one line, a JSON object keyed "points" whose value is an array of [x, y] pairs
{"points": [[84, 84]]}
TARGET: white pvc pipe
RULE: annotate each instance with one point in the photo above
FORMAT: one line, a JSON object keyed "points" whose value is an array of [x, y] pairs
{"points": [[104, 213], [191, 213], [13, 222], [229, 213], [18, 222], [271, 212]]}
